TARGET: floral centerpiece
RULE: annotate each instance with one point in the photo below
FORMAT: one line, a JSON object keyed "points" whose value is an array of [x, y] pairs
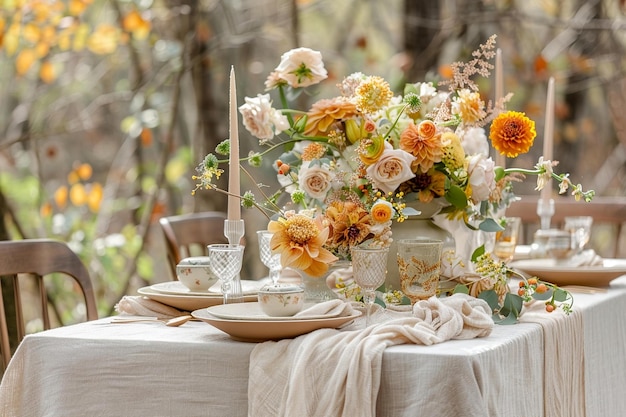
{"points": [[351, 163]]}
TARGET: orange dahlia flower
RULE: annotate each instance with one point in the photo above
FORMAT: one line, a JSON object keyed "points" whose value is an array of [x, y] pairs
{"points": [[512, 133], [349, 224], [325, 112], [299, 239], [428, 151]]}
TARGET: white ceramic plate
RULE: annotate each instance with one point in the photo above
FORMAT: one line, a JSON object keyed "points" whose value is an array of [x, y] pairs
{"points": [[253, 311], [188, 302], [255, 331], [248, 287], [591, 276]]}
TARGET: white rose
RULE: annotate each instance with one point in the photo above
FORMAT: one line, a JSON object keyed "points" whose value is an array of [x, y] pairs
{"points": [[301, 67], [392, 169], [474, 141], [261, 119], [315, 180], [482, 177]]}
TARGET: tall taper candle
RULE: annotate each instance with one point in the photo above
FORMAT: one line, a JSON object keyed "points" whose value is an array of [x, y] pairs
{"points": [[234, 203], [499, 89], [548, 136]]}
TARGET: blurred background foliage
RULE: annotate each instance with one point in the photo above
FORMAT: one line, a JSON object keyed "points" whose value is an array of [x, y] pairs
{"points": [[107, 106]]}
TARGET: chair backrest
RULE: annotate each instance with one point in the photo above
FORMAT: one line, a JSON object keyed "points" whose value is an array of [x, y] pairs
{"points": [[37, 258], [609, 216], [189, 234]]}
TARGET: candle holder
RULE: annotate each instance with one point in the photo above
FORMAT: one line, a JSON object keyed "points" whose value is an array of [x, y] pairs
{"points": [[234, 231], [545, 211]]}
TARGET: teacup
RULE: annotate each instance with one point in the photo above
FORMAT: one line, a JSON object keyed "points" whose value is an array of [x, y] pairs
{"points": [[281, 300], [195, 273]]}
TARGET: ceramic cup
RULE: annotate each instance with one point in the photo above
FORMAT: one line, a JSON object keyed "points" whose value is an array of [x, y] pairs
{"points": [[419, 264], [281, 300], [195, 273]]}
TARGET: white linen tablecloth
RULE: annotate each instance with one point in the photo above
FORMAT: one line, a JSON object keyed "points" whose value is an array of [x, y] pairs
{"points": [[148, 369]]}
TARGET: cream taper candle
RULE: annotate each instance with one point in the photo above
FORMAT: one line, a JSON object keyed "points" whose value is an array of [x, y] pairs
{"points": [[234, 202], [499, 91], [548, 136]]}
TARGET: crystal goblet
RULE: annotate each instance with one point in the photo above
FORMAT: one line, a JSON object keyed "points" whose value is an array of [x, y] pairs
{"points": [[269, 259], [370, 270], [225, 262]]}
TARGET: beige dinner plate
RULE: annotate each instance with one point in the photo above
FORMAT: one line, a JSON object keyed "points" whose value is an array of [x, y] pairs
{"points": [[592, 276], [260, 331], [248, 287], [187, 302]]}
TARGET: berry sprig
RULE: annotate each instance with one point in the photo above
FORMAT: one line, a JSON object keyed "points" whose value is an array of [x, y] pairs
{"points": [[555, 297]]}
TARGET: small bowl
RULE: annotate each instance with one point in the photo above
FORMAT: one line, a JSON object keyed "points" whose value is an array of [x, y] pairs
{"points": [[195, 273], [281, 300]]}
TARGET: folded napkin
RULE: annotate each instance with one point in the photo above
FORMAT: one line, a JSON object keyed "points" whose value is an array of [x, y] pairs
{"points": [[332, 308], [337, 373], [144, 306], [587, 257]]}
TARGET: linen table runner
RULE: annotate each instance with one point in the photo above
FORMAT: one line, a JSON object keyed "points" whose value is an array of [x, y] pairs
{"points": [[564, 371], [337, 373]]}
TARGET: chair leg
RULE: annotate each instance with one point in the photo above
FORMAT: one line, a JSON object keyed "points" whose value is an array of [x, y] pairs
{"points": [[5, 345]]}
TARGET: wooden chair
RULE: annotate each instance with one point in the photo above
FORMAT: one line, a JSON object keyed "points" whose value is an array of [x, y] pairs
{"points": [[609, 216], [37, 258], [189, 234]]}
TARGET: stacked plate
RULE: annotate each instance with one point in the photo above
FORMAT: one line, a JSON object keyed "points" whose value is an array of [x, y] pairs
{"points": [[175, 294], [247, 322]]}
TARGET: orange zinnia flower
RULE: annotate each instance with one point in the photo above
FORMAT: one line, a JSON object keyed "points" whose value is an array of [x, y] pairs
{"points": [[512, 133], [325, 112], [299, 239]]}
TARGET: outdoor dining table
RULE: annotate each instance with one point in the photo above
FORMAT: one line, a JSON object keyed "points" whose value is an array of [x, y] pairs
{"points": [[148, 369]]}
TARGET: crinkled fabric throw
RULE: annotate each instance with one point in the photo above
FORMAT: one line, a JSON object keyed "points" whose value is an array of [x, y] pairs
{"points": [[332, 372]]}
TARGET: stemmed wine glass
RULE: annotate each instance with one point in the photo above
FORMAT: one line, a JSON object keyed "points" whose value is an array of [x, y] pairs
{"points": [[369, 267], [225, 261], [269, 259]]}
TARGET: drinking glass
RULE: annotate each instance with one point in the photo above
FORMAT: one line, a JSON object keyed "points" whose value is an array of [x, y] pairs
{"points": [[419, 264], [580, 228], [225, 262], [506, 240], [269, 259], [369, 267]]}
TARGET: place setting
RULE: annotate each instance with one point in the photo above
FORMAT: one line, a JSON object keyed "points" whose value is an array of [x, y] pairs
{"points": [[198, 285], [562, 256]]}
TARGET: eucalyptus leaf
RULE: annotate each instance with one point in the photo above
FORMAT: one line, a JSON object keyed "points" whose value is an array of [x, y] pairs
{"points": [[410, 211], [513, 303], [490, 225], [491, 298], [511, 318], [560, 295], [460, 289]]}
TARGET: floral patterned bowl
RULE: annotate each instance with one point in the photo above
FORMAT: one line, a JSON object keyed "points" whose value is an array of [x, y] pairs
{"points": [[195, 273], [281, 300]]}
